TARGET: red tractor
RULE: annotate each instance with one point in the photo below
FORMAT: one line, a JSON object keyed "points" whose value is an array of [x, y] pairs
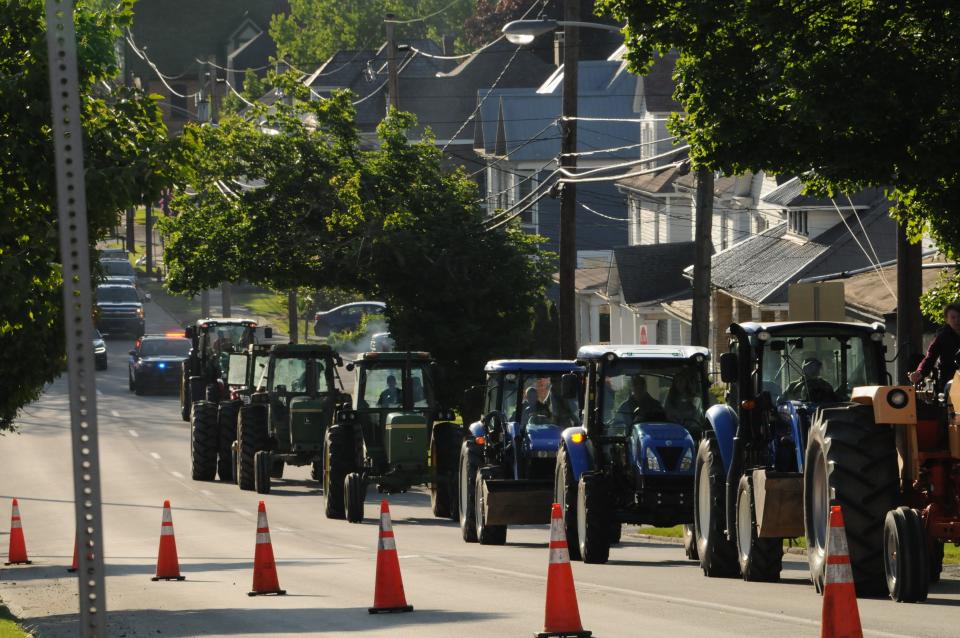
{"points": [[905, 503]]}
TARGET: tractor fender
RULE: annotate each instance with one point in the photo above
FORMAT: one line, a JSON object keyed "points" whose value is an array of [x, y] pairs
{"points": [[477, 429], [579, 454], [723, 421]]}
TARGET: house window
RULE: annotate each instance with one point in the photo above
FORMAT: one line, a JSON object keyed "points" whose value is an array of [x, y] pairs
{"points": [[762, 223], [798, 222], [524, 184]]}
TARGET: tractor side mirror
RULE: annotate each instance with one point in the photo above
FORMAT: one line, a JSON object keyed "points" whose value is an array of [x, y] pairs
{"points": [[570, 386], [190, 332], [472, 403], [268, 333], [133, 353], [728, 367], [495, 425], [778, 345]]}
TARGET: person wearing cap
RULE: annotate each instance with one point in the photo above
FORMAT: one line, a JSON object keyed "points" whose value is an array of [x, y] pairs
{"points": [[390, 397], [811, 386], [943, 349]]}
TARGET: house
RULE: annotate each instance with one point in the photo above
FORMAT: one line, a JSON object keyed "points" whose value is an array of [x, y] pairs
{"points": [[185, 40]]}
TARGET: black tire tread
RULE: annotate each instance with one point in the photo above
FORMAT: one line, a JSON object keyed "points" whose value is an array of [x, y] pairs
{"points": [[565, 493], [765, 560], [469, 459], [253, 437], [595, 546], [204, 435], [717, 554], [227, 416], [338, 462], [261, 472]]}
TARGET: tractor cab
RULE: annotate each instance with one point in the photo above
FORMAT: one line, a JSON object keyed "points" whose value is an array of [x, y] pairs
{"points": [[245, 369]]}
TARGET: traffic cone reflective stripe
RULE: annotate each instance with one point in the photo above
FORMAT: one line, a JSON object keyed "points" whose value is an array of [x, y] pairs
{"points": [[168, 565], [561, 614], [17, 551], [388, 594], [841, 618], [265, 579]]}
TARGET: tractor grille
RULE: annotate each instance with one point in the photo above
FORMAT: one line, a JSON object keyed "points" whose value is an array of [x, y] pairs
{"points": [[670, 457]]}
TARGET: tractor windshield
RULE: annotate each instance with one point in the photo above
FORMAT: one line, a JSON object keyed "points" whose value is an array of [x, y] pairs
{"points": [[296, 374], [535, 400], [818, 369], [391, 385], [228, 339], [237, 372], [640, 390]]}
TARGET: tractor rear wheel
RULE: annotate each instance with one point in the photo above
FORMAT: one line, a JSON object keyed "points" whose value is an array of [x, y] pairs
{"points": [[565, 494], [261, 473], [850, 461], [486, 534], [316, 471], [936, 561], [906, 560], [203, 442], [616, 533], [761, 559], [593, 519], [467, 480], [690, 543], [253, 437], [337, 463], [227, 424], [355, 492], [718, 555], [184, 393], [445, 452]]}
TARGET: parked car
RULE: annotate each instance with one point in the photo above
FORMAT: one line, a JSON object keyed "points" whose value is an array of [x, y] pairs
{"points": [[119, 309], [156, 362], [99, 351], [119, 271], [382, 342], [114, 253], [345, 317]]}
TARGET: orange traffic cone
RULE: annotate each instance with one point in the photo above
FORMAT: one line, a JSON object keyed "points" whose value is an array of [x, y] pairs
{"points": [[168, 566], [388, 595], [17, 555], [841, 618], [265, 579], [562, 616], [75, 564]]}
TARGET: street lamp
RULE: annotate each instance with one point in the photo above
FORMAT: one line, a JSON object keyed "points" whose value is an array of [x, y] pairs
{"points": [[524, 32]]}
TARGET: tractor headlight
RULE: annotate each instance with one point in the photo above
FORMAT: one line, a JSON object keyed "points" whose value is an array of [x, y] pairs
{"points": [[897, 398], [140, 313], [686, 461], [653, 463]]}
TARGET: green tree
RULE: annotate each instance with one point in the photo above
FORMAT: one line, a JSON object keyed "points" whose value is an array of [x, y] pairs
{"points": [[314, 30], [125, 153], [846, 94], [289, 200]]}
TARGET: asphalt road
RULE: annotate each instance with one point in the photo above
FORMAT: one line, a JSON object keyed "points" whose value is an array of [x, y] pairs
{"points": [[647, 588]]}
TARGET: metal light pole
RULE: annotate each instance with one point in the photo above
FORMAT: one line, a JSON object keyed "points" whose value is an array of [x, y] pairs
{"points": [[568, 194]]}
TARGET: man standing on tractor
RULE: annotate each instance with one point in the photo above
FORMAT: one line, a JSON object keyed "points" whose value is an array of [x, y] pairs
{"points": [[390, 397], [943, 349], [811, 386], [640, 406]]}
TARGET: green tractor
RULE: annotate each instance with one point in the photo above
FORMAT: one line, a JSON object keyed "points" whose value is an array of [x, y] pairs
{"points": [[292, 404], [394, 435], [244, 370]]}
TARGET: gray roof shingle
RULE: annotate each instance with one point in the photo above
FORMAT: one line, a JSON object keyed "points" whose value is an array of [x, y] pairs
{"points": [[650, 273]]}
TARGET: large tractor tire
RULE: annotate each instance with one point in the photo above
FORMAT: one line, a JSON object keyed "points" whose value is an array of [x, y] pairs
{"points": [[445, 453], [261, 471], [338, 455], [936, 561], [906, 560], [852, 462], [565, 494], [253, 438], [355, 493], [593, 519], [486, 534], [690, 543], [718, 555], [761, 559], [227, 417], [195, 392], [467, 484], [203, 442], [184, 393]]}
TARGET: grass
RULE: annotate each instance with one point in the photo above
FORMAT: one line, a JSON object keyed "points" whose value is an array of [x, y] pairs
{"points": [[183, 309], [9, 628], [951, 553]]}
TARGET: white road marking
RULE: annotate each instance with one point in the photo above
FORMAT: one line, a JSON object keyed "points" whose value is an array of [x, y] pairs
{"points": [[133, 433], [353, 546], [206, 492], [177, 474], [242, 512], [282, 529], [114, 414], [155, 455]]}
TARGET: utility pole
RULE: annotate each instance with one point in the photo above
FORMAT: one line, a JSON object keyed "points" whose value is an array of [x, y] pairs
{"points": [[909, 318], [393, 80], [568, 192], [148, 237], [128, 81], [700, 322], [226, 300], [292, 314]]}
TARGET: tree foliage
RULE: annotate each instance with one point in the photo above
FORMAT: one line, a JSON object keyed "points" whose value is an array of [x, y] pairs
{"points": [[124, 153], [314, 30], [288, 199], [847, 94]]}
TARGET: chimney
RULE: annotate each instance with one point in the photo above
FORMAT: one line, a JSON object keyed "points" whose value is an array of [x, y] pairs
{"points": [[447, 42], [558, 48]]}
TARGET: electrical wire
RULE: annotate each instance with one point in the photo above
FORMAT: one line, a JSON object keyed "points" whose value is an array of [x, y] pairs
{"points": [[483, 99], [379, 88], [875, 266], [583, 175], [632, 120], [599, 214], [516, 214], [540, 187], [866, 236], [163, 78], [423, 18], [457, 57], [615, 149]]}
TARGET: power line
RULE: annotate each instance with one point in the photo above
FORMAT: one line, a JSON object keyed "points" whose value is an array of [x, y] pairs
{"points": [[457, 57], [143, 56], [583, 175], [426, 17]]}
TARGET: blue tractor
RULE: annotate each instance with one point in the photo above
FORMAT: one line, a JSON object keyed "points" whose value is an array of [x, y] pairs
{"points": [[506, 461], [750, 466], [631, 461]]}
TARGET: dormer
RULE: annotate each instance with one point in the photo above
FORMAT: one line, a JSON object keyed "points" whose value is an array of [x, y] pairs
{"points": [[809, 216]]}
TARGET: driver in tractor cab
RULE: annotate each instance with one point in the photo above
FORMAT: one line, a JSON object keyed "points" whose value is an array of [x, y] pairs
{"points": [[532, 406], [811, 386], [640, 406], [390, 397], [683, 402]]}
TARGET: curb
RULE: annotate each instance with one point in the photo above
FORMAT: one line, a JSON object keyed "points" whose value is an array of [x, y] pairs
{"points": [[674, 540]]}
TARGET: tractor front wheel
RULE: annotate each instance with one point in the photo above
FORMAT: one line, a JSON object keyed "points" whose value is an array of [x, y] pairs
{"points": [[227, 424], [565, 494], [718, 555], [486, 534], [253, 437], [469, 462], [690, 543], [337, 463], [355, 491], [184, 393], [593, 519], [906, 561], [761, 559], [261, 474], [203, 441], [445, 452]]}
